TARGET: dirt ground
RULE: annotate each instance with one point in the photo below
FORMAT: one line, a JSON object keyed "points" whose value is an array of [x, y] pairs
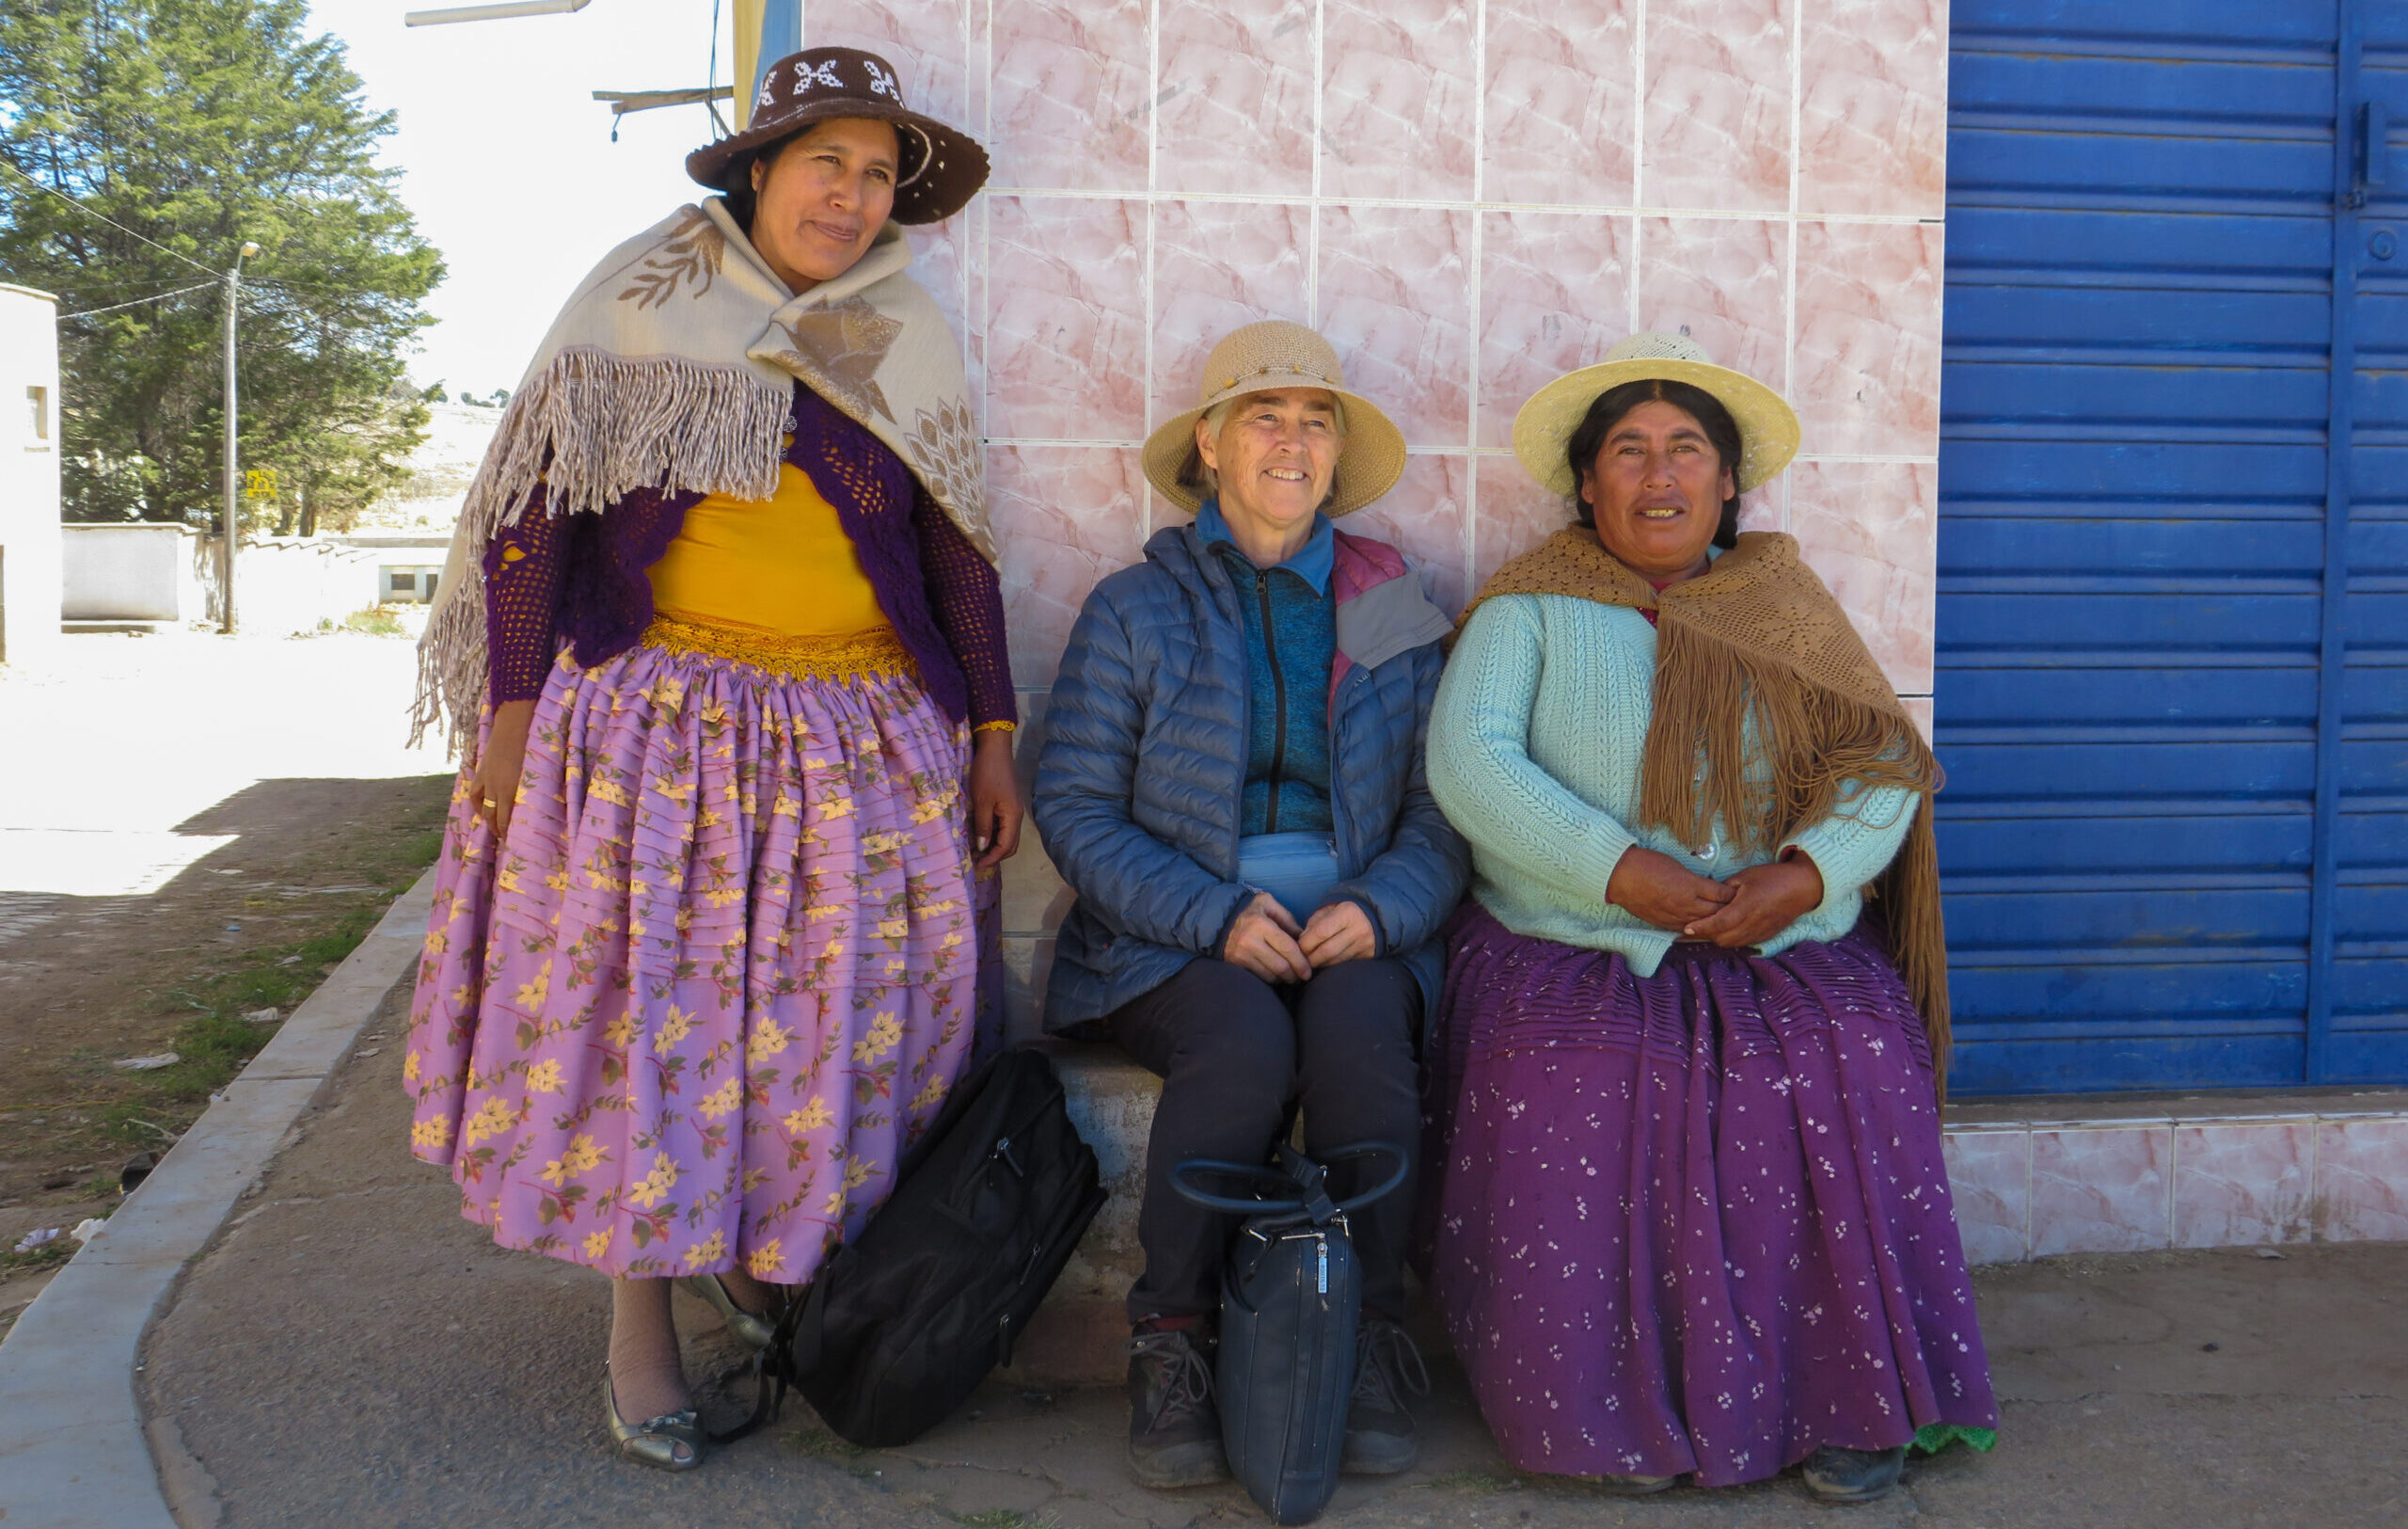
{"points": [[351, 1351], [253, 796]]}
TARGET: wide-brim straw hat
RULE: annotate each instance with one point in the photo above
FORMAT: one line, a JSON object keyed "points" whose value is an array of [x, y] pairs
{"points": [[941, 169], [1261, 357], [1543, 429]]}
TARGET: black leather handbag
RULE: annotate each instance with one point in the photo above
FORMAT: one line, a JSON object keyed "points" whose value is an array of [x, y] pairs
{"points": [[1292, 1296]]}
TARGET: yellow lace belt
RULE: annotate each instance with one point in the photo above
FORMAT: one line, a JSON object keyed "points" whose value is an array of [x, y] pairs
{"points": [[877, 653]]}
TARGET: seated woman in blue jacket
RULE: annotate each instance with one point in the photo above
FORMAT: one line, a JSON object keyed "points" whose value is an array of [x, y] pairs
{"points": [[1231, 782]]}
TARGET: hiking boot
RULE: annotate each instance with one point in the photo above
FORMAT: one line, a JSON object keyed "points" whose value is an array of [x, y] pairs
{"points": [[1853, 1475], [1381, 1438], [1174, 1428]]}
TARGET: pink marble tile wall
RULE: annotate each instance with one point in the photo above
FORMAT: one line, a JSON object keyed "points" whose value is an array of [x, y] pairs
{"points": [[1066, 319], [1555, 293], [1395, 298], [1234, 98], [2101, 1189], [1219, 265], [2242, 1185], [1873, 117], [1427, 516], [1870, 530], [2362, 1180], [1724, 282], [1468, 197], [1989, 1179], [1065, 517], [1867, 362], [1396, 90], [1716, 124], [1561, 104], [1069, 81]]}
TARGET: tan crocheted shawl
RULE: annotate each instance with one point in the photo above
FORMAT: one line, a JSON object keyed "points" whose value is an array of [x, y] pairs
{"points": [[672, 366], [1756, 642]]}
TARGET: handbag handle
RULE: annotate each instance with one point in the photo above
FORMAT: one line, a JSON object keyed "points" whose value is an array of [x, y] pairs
{"points": [[1195, 1194]]}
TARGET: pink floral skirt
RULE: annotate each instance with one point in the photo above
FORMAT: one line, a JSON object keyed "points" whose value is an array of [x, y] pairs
{"points": [[718, 977]]}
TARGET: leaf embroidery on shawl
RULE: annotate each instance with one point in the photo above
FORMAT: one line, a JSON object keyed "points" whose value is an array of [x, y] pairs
{"points": [[945, 447], [691, 253], [842, 346]]}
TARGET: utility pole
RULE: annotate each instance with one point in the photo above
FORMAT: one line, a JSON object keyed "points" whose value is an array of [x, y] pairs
{"points": [[234, 527]]}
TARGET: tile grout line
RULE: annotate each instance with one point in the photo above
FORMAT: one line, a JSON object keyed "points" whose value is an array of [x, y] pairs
{"points": [[1633, 209], [1469, 551], [1637, 160], [1312, 234], [1153, 206]]}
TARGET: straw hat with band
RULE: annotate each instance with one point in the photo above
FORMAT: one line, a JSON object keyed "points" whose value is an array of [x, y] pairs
{"points": [[1543, 429], [1260, 358], [941, 169]]}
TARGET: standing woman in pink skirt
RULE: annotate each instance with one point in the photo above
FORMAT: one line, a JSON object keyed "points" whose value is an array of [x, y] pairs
{"points": [[723, 621]]}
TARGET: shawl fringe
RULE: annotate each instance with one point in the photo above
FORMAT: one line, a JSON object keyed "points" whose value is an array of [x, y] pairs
{"points": [[592, 428]]}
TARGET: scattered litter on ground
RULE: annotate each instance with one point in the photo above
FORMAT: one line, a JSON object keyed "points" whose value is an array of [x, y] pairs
{"points": [[264, 1017], [290, 961], [367, 1051], [146, 1064], [35, 1238], [85, 1228], [2268, 1252]]}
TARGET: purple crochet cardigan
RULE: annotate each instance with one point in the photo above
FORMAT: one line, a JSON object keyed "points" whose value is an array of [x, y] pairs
{"points": [[582, 576]]}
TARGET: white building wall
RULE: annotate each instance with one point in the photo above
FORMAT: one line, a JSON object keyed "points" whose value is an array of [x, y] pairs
{"points": [[29, 450]]}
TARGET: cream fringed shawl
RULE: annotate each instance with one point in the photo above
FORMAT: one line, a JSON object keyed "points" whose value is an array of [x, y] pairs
{"points": [[1756, 644], [672, 366]]}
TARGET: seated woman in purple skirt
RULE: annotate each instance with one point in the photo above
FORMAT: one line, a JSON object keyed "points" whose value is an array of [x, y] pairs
{"points": [[1684, 1202]]}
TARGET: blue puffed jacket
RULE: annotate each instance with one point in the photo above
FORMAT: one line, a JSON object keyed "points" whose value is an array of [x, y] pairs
{"points": [[1144, 764]]}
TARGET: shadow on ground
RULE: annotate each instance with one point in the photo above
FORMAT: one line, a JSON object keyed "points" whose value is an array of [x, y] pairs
{"points": [[350, 1352]]}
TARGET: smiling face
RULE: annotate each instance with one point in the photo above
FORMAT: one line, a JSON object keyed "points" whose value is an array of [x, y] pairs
{"points": [[823, 198], [1276, 455], [1657, 487]]}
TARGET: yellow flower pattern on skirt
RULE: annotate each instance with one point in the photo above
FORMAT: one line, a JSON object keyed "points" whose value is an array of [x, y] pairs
{"points": [[722, 975]]}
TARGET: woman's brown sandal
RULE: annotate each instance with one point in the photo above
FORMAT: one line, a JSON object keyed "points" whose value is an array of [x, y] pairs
{"points": [[671, 1441]]}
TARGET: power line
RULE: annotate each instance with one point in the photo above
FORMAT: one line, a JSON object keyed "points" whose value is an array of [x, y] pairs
{"points": [[157, 298], [111, 222]]}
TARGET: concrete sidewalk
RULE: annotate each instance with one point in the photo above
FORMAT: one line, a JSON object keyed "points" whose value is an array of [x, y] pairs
{"points": [[350, 1352]]}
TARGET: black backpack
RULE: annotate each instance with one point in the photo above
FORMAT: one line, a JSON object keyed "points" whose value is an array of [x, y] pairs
{"points": [[906, 1320], [1292, 1296]]}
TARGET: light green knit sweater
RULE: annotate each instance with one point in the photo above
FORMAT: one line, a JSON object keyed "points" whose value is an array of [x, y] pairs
{"points": [[1534, 752]]}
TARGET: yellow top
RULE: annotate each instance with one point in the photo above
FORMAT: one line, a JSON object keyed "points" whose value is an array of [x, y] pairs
{"points": [[784, 565]]}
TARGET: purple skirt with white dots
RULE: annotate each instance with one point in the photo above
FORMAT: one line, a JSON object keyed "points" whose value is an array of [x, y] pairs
{"points": [[1696, 1222]]}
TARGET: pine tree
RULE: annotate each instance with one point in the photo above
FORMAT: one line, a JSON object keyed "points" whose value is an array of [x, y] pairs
{"points": [[196, 125]]}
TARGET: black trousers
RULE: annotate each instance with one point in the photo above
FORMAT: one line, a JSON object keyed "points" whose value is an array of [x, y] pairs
{"points": [[1234, 1054]]}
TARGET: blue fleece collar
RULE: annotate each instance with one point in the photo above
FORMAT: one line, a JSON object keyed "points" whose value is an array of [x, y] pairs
{"points": [[1313, 563]]}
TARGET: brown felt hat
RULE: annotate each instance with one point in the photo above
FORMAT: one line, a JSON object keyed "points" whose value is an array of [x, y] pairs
{"points": [[941, 169], [1264, 357]]}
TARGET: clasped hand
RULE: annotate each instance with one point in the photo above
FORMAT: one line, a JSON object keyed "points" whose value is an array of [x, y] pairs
{"points": [[1265, 939], [1751, 907]]}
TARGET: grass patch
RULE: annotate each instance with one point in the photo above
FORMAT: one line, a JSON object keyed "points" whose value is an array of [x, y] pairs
{"points": [[1007, 1517], [218, 1041], [376, 621]]}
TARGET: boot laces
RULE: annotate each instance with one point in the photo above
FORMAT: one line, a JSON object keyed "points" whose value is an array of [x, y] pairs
{"points": [[1387, 1359], [1183, 1381]]}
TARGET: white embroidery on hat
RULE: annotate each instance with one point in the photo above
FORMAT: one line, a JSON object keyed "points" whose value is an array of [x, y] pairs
{"points": [[768, 91], [880, 82], [824, 73]]}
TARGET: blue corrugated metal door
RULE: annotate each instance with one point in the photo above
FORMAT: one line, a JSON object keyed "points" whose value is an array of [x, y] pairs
{"points": [[2173, 615]]}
